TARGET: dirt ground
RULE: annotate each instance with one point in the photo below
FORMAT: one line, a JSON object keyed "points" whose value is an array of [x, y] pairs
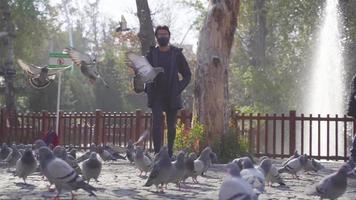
{"points": [[120, 180]]}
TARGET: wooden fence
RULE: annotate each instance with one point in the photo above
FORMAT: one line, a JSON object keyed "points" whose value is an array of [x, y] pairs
{"points": [[273, 135]]}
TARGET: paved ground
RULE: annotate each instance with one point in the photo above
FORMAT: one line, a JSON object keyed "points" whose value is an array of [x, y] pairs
{"points": [[120, 180]]}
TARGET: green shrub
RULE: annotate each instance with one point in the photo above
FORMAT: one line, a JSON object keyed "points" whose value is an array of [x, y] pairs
{"points": [[189, 137]]}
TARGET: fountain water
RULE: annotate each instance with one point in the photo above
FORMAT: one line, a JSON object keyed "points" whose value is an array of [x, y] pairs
{"points": [[326, 95]]}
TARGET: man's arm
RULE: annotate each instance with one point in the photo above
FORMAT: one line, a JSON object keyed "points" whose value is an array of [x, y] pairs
{"points": [[184, 70]]}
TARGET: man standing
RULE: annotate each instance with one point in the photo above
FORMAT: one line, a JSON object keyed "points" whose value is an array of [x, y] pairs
{"points": [[351, 111], [164, 93]]}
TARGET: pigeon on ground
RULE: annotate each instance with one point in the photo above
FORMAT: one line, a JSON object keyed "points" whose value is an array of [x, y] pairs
{"points": [[178, 169], [295, 155], [87, 65], [206, 159], [333, 186], [5, 151], [235, 187], [73, 153], [60, 152], [238, 161], [11, 159], [105, 155], [142, 162], [161, 170], [254, 176], [130, 151], [26, 165], [313, 165], [189, 167], [61, 173], [272, 175], [86, 155], [91, 168], [38, 144], [294, 165], [113, 152]]}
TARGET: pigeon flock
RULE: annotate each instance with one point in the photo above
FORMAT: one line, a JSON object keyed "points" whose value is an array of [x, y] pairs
{"points": [[65, 170]]}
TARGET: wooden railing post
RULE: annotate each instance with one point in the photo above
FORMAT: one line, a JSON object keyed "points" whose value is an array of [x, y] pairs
{"points": [[138, 124], [99, 125], [61, 128], [292, 131], [45, 122]]}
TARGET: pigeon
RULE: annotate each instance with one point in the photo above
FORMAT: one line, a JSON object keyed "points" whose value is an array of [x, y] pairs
{"points": [[61, 173], [91, 168], [178, 169], [61, 153], [40, 77], [142, 162], [73, 153], [271, 175], [143, 69], [238, 161], [295, 155], [161, 170], [189, 167], [123, 25], [105, 155], [235, 187], [254, 176], [87, 65], [313, 165], [206, 159], [332, 186], [5, 151], [113, 152], [38, 144], [130, 151], [86, 155], [26, 165], [294, 165], [11, 159]]}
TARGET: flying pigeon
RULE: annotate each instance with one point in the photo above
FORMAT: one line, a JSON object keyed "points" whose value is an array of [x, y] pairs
{"points": [[87, 65]]}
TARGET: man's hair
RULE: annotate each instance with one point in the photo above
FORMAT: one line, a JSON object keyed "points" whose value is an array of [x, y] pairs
{"points": [[162, 28]]}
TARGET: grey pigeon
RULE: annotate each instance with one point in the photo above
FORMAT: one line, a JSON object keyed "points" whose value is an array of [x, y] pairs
{"points": [[114, 152], [11, 159], [60, 152], [189, 166], [238, 161], [271, 172], [313, 165], [61, 173], [295, 155], [161, 170], [38, 144], [206, 159], [130, 151], [86, 155], [294, 165], [105, 155], [73, 153], [235, 187], [253, 176], [26, 165], [91, 168], [333, 186], [178, 169], [142, 162], [87, 65], [5, 151]]}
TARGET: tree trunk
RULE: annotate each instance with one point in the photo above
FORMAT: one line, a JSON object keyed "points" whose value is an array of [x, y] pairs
{"points": [[258, 33], [211, 76], [146, 34], [7, 55]]}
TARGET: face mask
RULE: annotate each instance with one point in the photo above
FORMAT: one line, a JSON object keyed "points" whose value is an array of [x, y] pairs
{"points": [[163, 41]]}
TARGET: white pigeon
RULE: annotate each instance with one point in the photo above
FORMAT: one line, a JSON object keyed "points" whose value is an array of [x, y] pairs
{"points": [[332, 186], [91, 168], [143, 68], [26, 165], [253, 176], [235, 187], [61, 173]]}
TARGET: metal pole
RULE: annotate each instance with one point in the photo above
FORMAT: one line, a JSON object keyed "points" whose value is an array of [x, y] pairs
{"points": [[58, 100]]}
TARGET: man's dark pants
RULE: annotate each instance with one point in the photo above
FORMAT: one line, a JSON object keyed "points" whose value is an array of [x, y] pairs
{"points": [[157, 129]]}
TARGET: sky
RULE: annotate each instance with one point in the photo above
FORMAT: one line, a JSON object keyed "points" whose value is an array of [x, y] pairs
{"points": [[167, 12]]}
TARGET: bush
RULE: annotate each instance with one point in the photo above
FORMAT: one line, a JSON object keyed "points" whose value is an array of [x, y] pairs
{"points": [[189, 137]]}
